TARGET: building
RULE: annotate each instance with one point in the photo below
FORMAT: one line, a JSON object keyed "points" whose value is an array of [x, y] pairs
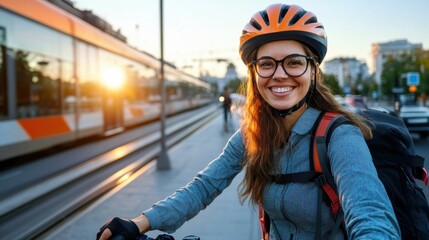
{"points": [[349, 72], [381, 51], [221, 82]]}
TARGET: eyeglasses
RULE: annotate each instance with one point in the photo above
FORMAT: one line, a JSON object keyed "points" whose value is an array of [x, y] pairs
{"points": [[294, 65]]}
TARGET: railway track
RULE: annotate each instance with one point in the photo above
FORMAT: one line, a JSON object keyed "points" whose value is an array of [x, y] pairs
{"points": [[30, 212]]}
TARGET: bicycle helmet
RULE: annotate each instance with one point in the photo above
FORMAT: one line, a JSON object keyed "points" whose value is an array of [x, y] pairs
{"points": [[283, 22]]}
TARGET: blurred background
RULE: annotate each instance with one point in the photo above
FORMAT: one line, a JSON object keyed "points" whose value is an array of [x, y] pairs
{"points": [[81, 92], [202, 37]]}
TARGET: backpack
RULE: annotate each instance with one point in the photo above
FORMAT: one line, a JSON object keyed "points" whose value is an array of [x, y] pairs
{"points": [[397, 165]]}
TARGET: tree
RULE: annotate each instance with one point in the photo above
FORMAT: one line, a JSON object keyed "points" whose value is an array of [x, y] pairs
{"points": [[332, 82], [391, 75], [423, 66], [395, 67]]}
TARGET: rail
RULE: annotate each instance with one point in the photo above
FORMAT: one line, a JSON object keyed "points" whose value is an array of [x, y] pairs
{"points": [[17, 220]]}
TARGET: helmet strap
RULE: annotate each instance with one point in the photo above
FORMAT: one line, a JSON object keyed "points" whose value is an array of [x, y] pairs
{"points": [[285, 112]]}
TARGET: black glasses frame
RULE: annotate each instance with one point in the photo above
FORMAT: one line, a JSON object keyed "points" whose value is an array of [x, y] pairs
{"points": [[307, 58]]}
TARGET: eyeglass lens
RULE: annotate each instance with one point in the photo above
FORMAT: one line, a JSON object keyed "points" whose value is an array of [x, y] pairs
{"points": [[294, 65]]}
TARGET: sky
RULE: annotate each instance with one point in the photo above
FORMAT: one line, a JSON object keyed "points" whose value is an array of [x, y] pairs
{"points": [[197, 32]]}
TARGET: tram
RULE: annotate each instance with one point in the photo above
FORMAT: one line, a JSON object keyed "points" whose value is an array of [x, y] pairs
{"points": [[63, 79]]}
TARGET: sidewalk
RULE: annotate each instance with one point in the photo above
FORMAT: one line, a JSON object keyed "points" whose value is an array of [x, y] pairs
{"points": [[225, 218]]}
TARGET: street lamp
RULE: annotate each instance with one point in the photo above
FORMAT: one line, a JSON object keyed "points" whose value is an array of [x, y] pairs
{"points": [[163, 162]]}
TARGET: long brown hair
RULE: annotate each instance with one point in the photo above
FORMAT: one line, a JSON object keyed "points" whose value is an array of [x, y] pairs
{"points": [[265, 133]]}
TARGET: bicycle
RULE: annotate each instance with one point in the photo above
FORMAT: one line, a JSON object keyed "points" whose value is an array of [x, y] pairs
{"points": [[159, 237]]}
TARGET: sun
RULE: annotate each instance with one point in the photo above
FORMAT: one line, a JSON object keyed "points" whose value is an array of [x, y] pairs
{"points": [[112, 78]]}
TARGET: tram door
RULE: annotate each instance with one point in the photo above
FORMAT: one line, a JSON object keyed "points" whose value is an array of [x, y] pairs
{"points": [[113, 111]]}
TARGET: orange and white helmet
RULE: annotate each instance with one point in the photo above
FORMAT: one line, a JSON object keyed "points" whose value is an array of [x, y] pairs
{"points": [[283, 22]]}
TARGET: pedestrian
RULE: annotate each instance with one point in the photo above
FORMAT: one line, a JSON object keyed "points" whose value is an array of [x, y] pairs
{"points": [[283, 47], [226, 104]]}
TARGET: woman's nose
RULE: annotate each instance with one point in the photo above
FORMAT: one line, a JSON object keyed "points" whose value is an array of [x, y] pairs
{"points": [[280, 72]]}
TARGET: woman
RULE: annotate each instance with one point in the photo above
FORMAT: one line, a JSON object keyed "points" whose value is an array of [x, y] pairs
{"points": [[283, 46]]}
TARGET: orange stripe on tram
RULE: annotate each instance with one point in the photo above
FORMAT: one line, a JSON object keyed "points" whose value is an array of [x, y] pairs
{"points": [[136, 112], [44, 126]]}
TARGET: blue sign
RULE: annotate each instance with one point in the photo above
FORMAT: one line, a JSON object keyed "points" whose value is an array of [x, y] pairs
{"points": [[413, 78]]}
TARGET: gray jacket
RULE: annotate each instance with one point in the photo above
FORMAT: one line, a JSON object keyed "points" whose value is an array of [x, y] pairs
{"points": [[292, 207]]}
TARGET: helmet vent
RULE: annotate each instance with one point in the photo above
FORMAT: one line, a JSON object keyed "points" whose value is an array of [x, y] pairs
{"points": [[255, 24], [296, 17], [283, 12], [311, 20], [264, 16]]}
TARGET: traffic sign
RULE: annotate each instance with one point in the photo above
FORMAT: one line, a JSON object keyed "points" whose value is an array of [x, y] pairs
{"points": [[413, 78], [397, 90]]}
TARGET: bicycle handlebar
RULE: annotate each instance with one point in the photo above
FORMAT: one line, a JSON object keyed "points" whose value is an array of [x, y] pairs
{"points": [[161, 237]]}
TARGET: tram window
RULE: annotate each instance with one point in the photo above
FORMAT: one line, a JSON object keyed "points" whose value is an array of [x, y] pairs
{"points": [[69, 88], [31, 36], [39, 54], [37, 85], [2, 35], [3, 86], [117, 74], [89, 85], [149, 85], [131, 82], [3, 80], [140, 83]]}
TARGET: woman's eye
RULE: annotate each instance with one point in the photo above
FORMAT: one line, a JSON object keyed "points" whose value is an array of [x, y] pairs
{"points": [[295, 62], [266, 64]]}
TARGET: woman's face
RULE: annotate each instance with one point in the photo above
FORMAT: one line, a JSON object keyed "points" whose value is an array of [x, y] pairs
{"points": [[281, 90]]}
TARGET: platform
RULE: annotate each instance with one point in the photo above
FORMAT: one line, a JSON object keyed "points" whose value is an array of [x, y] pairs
{"points": [[224, 219]]}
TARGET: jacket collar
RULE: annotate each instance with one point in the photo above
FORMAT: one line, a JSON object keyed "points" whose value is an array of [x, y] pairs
{"points": [[306, 121]]}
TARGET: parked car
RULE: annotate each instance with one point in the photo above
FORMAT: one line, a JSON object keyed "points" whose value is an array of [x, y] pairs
{"points": [[357, 103], [416, 118], [351, 103]]}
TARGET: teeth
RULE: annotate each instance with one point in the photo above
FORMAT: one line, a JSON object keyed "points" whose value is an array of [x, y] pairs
{"points": [[281, 89]]}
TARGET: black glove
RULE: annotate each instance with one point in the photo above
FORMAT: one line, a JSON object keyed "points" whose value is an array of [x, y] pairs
{"points": [[120, 226], [164, 237]]}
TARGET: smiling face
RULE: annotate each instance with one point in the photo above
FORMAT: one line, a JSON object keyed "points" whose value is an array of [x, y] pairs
{"points": [[281, 90]]}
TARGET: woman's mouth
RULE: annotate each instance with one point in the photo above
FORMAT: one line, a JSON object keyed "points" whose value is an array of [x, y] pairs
{"points": [[281, 89]]}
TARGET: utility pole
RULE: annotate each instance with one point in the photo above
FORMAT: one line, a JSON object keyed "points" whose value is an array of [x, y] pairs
{"points": [[163, 162]]}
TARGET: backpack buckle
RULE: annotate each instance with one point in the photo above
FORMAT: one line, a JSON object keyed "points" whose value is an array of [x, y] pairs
{"points": [[335, 206], [320, 180]]}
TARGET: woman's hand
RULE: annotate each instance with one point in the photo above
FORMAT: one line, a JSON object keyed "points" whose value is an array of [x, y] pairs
{"points": [[142, 223], [106, 234], [129, 229]]}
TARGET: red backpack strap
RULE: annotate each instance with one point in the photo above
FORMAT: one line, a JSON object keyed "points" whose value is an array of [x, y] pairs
{"points": [[264, 221], [320, 161]]}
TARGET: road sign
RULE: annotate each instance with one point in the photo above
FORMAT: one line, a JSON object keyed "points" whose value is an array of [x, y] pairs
{"points": [[413, 78], [397, 90]]}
